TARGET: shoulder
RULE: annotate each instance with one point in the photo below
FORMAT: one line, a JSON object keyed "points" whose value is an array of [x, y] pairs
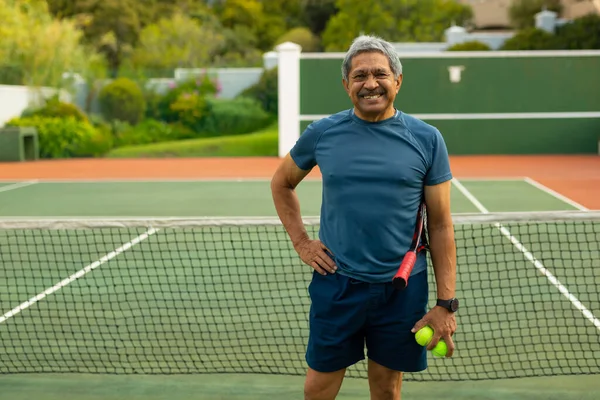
{"points": [[303, 152], [329, 122], [419, 128]]}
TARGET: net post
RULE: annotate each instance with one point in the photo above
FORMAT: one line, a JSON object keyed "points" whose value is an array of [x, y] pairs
{"points": [[289, 95]]}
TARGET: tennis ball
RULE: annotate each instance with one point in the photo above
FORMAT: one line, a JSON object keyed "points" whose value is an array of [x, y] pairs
{"points": [[424, 335], [440, 349]]}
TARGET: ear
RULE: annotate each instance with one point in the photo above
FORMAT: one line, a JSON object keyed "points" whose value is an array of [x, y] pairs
{"points": [[398, 83], [346, 85]]}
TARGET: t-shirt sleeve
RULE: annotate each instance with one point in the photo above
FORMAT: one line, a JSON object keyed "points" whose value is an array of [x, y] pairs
{"points": [[439, 170], [303, 152]]}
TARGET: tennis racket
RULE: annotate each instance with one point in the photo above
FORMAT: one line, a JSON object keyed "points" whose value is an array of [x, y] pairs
{"points": [[419, 243]]}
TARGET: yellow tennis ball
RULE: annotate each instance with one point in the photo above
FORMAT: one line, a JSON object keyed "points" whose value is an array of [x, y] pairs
{"points": [[440, 349], [424, 335]]}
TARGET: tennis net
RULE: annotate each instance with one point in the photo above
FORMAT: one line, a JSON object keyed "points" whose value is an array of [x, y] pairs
{"points": [[180, 296]]}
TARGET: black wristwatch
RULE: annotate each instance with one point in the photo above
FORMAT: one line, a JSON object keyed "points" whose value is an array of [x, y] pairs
{"points": [[450, 305]]}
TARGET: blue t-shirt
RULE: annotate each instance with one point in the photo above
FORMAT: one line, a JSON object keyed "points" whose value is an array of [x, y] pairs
{"points": [[373, 180]]}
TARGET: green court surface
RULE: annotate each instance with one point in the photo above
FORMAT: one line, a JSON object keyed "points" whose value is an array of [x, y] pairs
{"points": [[260, 387], [143, 312], [227, 198]]}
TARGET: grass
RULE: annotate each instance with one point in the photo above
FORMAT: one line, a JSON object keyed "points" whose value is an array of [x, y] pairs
{"points": [[259, 143]]}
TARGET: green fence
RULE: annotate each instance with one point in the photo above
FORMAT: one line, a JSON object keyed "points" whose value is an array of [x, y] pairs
{"points": [[496, 102]]}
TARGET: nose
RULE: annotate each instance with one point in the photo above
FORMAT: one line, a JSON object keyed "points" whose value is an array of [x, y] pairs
{"points": [[371, 83]]}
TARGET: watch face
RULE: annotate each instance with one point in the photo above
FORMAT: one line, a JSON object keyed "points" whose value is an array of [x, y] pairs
{"points": [[454, 305]]}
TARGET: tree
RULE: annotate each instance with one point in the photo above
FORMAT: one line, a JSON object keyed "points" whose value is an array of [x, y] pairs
{"points": [[290, 10], [251, 14], [316, 14], [240, 49], [174, 42], [111, 26], [522, 12], [394, 20], [62, 8], [303, 37], [38, 48]]}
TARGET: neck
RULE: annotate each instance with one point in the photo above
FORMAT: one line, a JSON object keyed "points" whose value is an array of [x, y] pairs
{"points": [[375, 117]]}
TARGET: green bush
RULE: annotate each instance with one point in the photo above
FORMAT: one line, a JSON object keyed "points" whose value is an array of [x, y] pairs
{"points": [[233, 117], [53, 107], [189, 109], [533, 39], [66, 137], [265, 91], [259, 144], [152, 131], [581, 34], [473, 45], [123, 100], [185, 99]]}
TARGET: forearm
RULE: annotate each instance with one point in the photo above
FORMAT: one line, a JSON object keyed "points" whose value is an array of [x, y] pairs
{"points": [[288, 209], [443, 255]]}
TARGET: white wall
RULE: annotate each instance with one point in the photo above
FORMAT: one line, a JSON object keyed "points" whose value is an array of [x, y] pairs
{"points": [[232, 80], [15, 99]]}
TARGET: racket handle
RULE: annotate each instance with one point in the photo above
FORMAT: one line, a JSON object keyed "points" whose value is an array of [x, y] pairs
{"points": [[400, 280]]}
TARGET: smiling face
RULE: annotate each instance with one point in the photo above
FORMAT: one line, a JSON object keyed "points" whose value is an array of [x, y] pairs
{"points": [[372, 86]]}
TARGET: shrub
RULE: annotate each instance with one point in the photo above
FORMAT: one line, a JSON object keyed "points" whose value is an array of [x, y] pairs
{"points": [[152, 131], [532, 39], [123, 100], [301, 36], [265, 91], [53, 107], [189, 109], [180, 97], [473, 45], [233, 117], [66, 137], [581, 34]]}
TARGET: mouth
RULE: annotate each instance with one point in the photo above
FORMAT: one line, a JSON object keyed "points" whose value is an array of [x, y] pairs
{"points": [[373, 96]]}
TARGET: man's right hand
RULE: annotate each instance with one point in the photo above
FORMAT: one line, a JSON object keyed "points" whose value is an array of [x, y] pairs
{"points": [[313, 253]]}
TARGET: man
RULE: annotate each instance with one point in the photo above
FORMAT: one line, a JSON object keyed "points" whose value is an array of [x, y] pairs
{"points": [[377, 163]]}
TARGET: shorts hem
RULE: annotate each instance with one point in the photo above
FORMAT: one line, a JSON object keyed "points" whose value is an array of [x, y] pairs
{"points": [[403, 368], [321, 368]]}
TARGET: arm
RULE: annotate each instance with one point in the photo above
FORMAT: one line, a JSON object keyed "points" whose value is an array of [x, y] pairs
{"points": [[443, 255], [283, 189], [441, 237]]}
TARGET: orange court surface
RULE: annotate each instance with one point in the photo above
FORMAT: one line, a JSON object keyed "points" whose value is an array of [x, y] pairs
{"points": [[576, 177]]}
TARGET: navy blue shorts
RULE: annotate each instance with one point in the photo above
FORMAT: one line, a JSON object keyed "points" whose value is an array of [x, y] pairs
{"points": [[346, 314]]}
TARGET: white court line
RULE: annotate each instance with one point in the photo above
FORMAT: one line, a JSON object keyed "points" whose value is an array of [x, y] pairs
{"points": [[493, 178], [153, 180], [561, 288], [18, 185], [555, 194], [483, 116], [77, 275]]}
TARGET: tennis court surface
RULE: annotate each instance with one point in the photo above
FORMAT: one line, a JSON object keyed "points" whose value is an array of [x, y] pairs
{"points": [[145, 284]]}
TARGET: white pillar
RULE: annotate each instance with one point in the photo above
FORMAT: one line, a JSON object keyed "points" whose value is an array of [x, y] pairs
{"points": [[546, 20], [456, 34], [270, 60], [289, 95]]}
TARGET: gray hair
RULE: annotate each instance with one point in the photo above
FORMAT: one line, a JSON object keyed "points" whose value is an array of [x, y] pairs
{"points": [[366, 43]]}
